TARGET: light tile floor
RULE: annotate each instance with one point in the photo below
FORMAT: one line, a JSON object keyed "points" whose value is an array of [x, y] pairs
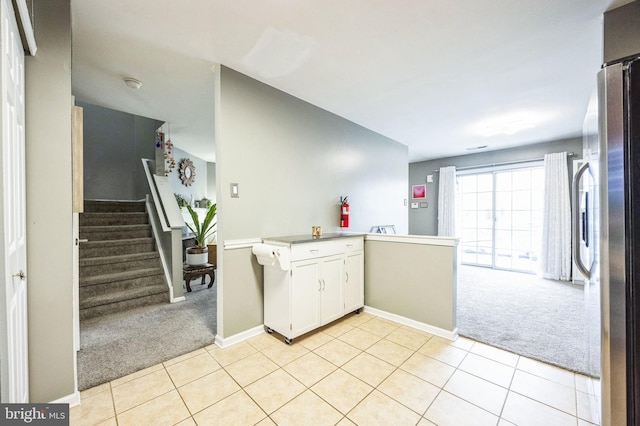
{"points": [[361, 370]]}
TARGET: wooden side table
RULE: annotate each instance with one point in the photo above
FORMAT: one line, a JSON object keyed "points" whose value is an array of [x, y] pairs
{"points": [[190, 272]]}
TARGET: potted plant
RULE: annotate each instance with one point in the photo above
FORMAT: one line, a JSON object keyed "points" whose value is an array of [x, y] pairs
{"points": [[199, 254]]}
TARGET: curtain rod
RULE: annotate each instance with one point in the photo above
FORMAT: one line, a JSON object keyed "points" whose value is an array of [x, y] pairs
{"points": [[505, 163]]}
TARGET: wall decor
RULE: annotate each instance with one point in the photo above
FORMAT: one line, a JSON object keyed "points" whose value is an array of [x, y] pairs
{"points": [[167, 150], [419, 191], [187, 172]]}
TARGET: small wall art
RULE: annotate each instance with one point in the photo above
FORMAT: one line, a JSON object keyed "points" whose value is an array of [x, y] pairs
{"points": [[419, 191]]}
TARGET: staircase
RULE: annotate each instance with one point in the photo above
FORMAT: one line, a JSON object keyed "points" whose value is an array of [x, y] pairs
{"points": [[120, 266]]}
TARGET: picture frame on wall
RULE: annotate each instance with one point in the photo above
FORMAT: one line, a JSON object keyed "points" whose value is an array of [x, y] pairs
{"points": [[418, 191]]}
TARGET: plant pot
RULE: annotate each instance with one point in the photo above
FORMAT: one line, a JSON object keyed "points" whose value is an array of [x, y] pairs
{"points": [[197, 255]]}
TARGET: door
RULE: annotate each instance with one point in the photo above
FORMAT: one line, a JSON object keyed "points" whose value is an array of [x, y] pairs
{"points": [[332, 279], [500, 215], [354, 282], [305, 296], [13, 300]]}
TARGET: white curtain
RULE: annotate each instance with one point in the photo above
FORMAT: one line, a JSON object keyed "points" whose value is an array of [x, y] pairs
{"points": [[447, 202], [556, 226]]}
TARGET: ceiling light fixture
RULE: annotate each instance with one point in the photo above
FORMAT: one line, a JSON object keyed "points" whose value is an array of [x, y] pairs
{"points": [[134, 83], [509, 124]]}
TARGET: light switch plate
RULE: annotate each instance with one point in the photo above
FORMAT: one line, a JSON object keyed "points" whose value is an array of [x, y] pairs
{"points": [[235, 191], [429, 178], [414, 205]]}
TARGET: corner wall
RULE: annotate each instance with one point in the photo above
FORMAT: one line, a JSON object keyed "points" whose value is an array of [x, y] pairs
{"points": [[48, 192], [114, 143], [292, 161], [424, 221], [200, 186]]}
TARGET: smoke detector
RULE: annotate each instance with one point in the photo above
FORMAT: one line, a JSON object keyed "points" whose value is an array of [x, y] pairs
{"points": [[134, 83]]}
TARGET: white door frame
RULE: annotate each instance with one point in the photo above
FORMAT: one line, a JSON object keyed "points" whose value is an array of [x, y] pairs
{"points": [[14, 367]]}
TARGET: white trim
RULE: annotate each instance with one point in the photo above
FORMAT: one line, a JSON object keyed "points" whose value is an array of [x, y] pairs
{"points": [[414, 239], [72, 400], [225, 342], [165, 268], [490, 168], [239, 244], [451, 335], [25, 25]]}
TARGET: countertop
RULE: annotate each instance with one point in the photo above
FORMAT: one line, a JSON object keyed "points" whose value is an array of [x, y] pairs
{"points": [[298, 239]]}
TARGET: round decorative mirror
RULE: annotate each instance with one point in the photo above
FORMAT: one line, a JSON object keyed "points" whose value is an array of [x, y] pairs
{"points": [[187, 172]]}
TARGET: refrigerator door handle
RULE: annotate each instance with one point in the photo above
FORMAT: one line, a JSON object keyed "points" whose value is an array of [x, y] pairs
{"points": [[575, 234]]}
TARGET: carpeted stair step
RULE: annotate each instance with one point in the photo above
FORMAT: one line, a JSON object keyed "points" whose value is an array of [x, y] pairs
{"points": [[117, 247], [110, 264], [99, 305], [109, 219], [115, 232], [120, 286], [109, 206], [134, 274], [120, 266]]}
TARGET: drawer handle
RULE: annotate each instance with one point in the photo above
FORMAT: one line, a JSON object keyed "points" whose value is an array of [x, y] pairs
{"points": [[347, 279], [314, 251], [349, 245], [319, 285]]}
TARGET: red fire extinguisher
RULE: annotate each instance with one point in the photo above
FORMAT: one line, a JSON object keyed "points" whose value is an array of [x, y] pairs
{"points": [[344, 212]]}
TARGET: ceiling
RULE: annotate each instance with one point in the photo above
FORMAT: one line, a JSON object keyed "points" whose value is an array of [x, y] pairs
{"points": [[442, 77]]}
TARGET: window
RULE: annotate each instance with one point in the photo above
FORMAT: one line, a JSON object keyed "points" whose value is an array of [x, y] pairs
{"points": [[500, 217]]}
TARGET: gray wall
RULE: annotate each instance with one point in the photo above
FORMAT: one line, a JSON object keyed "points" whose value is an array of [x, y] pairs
{"points": [[49, 216], [114, 143], [293, 161], [424, 221], [424, 281], [199, 188]]}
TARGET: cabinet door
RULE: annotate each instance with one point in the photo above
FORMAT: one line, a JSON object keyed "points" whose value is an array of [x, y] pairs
{"points": [[354, 282], [305, 296], [331, 296]]}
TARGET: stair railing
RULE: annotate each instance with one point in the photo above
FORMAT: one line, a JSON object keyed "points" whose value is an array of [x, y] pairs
{"points": [[167, 224]]}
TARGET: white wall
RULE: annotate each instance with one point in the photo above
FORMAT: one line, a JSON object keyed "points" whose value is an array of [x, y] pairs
{"points": [[292, 161]]}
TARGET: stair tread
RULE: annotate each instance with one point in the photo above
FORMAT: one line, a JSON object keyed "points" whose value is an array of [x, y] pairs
{"points": [[136, 226], [124, 241], [121, 276], [105, 260], [120, 296], [122, 279]]}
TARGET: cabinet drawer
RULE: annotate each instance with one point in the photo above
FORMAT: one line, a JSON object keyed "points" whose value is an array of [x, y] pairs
{"points": [[351, 244], [314, 250]]}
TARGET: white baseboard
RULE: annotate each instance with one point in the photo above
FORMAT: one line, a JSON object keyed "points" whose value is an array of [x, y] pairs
{"points": [[225, 342], [72, 400], [451, 335], [178, 299]]}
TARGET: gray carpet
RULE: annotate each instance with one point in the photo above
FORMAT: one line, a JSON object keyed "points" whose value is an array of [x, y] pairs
{"points": [[118, 344], [541, 319]]}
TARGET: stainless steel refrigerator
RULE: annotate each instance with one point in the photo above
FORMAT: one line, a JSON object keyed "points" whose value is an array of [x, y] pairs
{"points": [[608, 222]]}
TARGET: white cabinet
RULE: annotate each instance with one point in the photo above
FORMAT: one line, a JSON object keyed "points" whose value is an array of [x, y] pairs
{"points": [[326, 281]]}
